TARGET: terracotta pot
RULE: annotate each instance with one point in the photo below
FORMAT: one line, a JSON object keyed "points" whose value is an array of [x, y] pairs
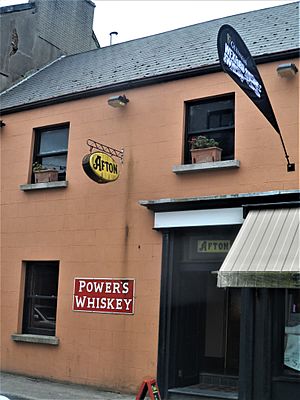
{"points": [[46, 175], [208, 154]]}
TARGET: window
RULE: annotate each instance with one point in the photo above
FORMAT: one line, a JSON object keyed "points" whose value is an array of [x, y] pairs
{"points": [[40, 300], [51, 148], [292, 332], [213, 118]]}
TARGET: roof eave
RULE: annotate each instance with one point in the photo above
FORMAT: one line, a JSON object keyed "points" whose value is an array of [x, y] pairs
{"points": [[212, 68]]}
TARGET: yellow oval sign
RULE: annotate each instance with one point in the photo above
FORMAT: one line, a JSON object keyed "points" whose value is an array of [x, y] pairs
{"points": [[100, 167]]}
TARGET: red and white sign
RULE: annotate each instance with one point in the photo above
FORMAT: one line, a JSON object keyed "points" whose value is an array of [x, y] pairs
{"points": [[104, 295]]}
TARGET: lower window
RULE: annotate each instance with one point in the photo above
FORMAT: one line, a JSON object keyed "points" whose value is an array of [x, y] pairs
{"points": [[40, 300]]}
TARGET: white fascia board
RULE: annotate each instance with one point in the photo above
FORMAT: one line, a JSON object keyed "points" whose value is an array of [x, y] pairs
{"points": [[189, 218]]}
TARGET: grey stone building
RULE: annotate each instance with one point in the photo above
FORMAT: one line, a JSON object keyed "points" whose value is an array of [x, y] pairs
{"points": [[34, 34]]}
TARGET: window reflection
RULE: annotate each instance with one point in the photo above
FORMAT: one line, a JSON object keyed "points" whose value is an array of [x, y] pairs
{"points": [[214, 119], [292, 331], [51, 149]]}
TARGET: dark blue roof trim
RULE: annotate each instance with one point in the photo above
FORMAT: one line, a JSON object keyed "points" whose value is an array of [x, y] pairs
{"points": [[16, 8]]}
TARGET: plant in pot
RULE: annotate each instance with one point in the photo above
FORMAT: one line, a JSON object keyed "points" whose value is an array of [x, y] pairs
{"points": [[44, 174], [204, 150]]}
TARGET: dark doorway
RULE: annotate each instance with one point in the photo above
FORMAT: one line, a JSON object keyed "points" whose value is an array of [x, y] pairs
{"points": [[204, 320]]}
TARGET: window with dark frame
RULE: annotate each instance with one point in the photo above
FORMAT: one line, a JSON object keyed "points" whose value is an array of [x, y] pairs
{"points": [[292, 332], [40, 300], [214, 119], [51, 148]]}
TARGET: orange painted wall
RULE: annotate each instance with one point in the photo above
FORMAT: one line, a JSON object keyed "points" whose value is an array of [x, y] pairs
{"points": [[102, 231]]}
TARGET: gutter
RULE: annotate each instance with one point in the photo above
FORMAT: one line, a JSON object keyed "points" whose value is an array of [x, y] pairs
{"points": [[225, 200], [145, 81]]}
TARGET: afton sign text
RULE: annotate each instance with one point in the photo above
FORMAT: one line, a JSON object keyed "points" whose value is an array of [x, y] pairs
{"points": [[100, 167], [213, 246], [104, 295]]}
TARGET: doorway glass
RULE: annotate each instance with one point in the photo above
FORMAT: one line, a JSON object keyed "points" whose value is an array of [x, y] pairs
{"points": [[205, 319]]}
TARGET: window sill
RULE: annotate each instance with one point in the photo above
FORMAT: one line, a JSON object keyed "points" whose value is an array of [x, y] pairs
{"points": [[187, 168], [46, 185], [39, 339]]}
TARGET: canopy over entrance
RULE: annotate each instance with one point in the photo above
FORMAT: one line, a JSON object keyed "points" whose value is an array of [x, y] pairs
{"points": [[265, 252]]}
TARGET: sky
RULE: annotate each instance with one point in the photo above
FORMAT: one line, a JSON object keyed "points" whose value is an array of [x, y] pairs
{"points": [[139, 18]]}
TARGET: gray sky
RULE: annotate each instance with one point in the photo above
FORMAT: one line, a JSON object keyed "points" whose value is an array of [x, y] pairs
{"points": [[134, 19], [139, 18]]}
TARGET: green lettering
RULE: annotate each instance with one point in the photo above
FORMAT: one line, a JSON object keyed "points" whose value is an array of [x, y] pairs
{"points": [[202, 245]]}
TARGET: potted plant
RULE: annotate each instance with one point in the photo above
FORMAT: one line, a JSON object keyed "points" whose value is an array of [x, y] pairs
{"points": [[44, 174], [204, 150]]}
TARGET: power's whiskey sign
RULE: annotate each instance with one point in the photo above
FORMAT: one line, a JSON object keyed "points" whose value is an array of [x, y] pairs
{"points": [[104, 295]]}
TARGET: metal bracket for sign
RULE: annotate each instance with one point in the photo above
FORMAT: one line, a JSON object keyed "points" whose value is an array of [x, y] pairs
{"points": [[290, 166], [105, 149]]}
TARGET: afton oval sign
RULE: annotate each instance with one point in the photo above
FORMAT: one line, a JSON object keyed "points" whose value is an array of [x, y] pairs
{"points": [[100, 167]]}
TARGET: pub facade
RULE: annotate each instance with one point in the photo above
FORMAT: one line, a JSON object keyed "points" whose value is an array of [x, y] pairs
{"points": [[135, 261]]}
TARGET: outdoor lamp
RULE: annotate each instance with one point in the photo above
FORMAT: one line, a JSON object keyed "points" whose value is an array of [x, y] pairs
{"points": [[287, 70], [118, 101], [2, 123]]}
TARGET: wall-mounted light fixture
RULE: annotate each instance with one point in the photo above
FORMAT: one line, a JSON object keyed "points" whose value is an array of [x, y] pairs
{"points": [[118, 101], [287, 70], [2, 124]]}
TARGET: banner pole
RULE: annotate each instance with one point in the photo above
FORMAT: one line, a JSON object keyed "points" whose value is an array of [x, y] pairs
{"points": [[290, 166]]}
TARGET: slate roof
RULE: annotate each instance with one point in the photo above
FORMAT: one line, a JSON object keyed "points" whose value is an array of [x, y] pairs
{"points": [[165, 56]]}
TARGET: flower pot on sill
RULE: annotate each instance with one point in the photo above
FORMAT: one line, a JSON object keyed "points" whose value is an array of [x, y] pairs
{"points": [[45, 175], [207, 154]]}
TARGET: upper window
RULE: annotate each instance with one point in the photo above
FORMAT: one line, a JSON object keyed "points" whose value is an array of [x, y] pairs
{"points": [[40, 300], [214, 119], [51, 149]]}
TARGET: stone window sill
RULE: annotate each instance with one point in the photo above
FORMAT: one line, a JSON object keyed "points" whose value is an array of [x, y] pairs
{"points": [[46, 185], [209, 166], [39, 339]]}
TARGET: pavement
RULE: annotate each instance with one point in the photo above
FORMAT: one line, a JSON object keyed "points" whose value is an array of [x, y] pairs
{"points": [[19, 387]]}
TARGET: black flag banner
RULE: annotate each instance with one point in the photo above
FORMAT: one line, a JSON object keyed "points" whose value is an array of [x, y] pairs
{"points": [[237, 61]]}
